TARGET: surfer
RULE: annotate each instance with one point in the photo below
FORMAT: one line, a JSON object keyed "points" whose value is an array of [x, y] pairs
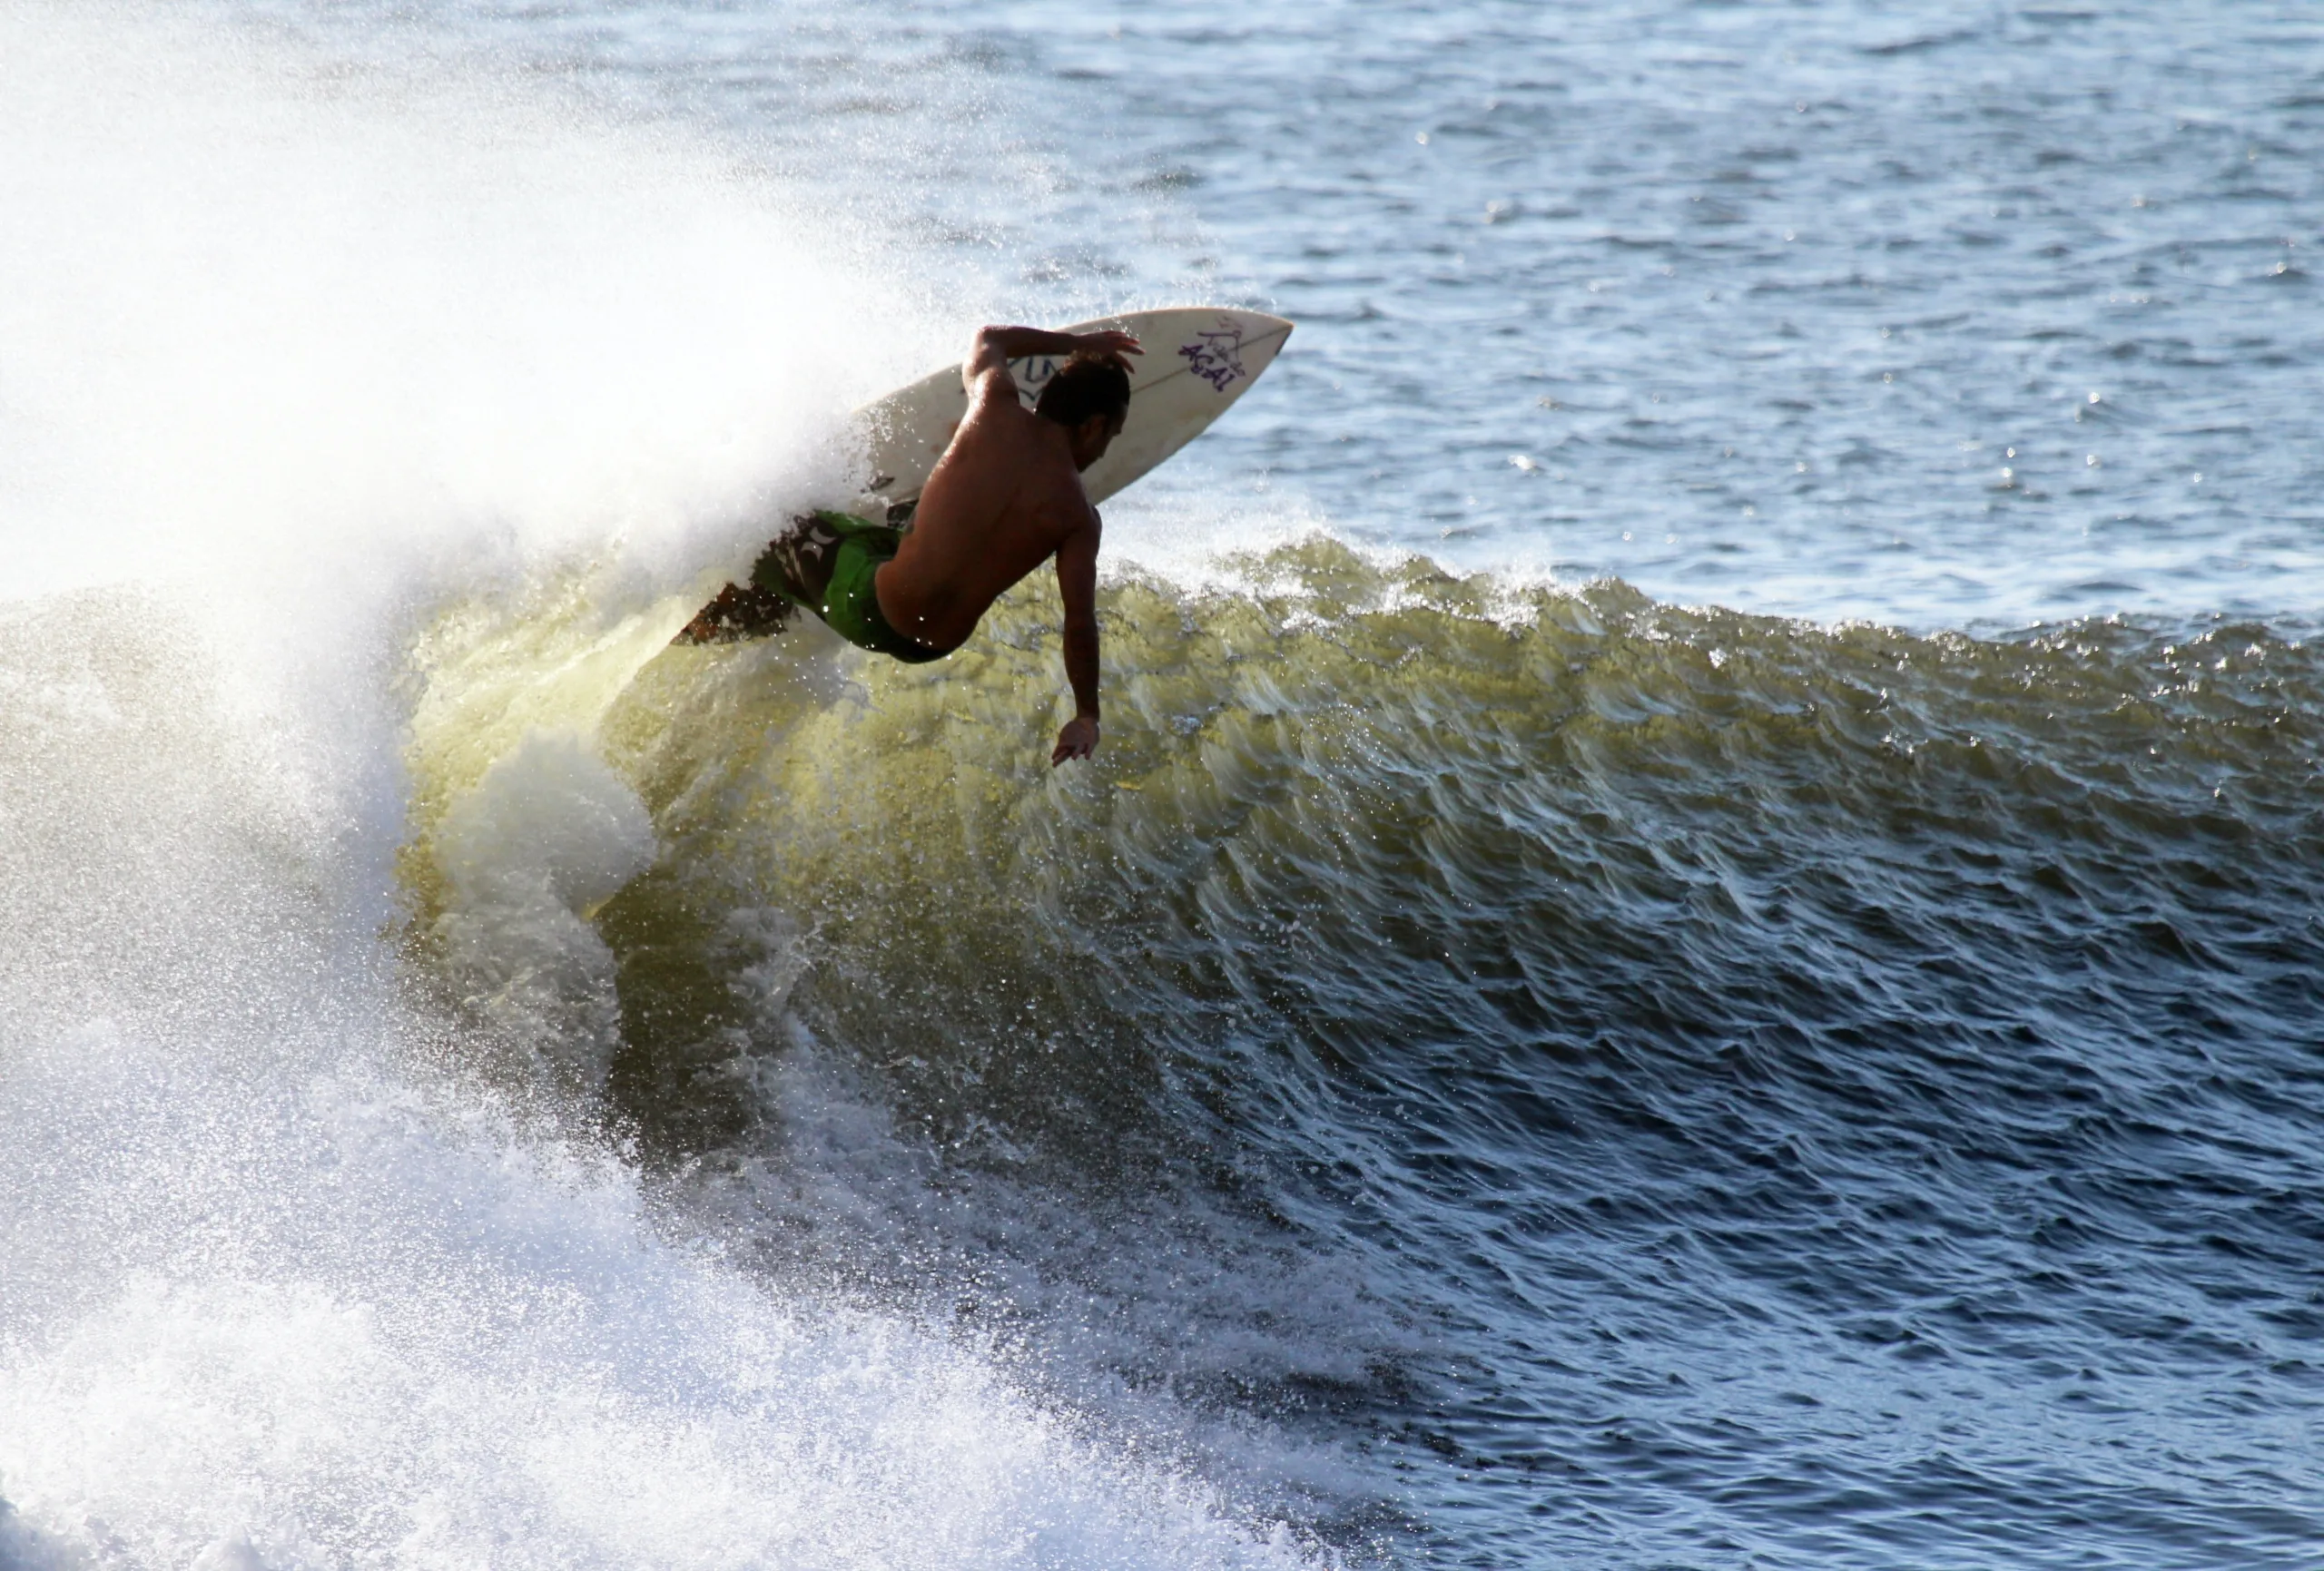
{"points": [[1005, 497]]}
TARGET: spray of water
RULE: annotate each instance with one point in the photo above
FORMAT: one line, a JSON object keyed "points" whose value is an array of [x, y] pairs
{"points": [[288, 356]]}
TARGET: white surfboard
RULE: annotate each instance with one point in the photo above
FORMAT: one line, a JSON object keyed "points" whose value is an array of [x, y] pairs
{"points": [[1198, 361]]}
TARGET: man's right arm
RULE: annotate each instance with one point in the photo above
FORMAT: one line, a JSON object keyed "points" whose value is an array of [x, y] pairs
{"points": [[1077, 582]]}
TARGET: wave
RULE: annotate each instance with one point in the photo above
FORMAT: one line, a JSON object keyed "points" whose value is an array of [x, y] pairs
{"points": [[1344, 757], [1414, 943], [1233, 1059]]}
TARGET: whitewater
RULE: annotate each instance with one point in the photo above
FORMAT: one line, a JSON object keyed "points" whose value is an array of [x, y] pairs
{"points": [[291, 1278], [1695, 940]]}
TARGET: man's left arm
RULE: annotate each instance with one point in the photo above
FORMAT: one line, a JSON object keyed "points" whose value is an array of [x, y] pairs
{"points": [[1076, 583], [995, 346]]}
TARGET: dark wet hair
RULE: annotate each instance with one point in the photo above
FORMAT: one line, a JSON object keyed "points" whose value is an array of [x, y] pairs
{"points": [[1082, 388]]}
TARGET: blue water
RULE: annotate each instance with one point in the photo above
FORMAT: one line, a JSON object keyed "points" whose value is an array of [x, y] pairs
{"points": [[1696, 941]]}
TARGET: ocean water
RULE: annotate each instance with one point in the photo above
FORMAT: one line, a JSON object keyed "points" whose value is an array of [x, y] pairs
{"points": [[1696, 941]]}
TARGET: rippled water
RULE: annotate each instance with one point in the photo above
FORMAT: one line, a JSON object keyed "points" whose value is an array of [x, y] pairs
{"points": [[1909, 312], [1662, 965]]}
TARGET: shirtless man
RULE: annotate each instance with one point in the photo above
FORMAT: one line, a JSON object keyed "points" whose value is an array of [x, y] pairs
{"points": [[1005, 497]]}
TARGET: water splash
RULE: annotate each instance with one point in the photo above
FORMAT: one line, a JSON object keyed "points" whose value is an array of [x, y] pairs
{"points": [[296, 1277]]}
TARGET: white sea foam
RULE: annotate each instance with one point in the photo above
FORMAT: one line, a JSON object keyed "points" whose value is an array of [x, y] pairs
{"points": [[548, 832], [345, 1325]]}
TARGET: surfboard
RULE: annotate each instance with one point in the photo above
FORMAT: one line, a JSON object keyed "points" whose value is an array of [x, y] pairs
{"points": [[1197, 361]]}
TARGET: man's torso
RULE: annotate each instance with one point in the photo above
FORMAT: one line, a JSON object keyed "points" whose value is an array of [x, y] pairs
{"points": [[998, 504]]}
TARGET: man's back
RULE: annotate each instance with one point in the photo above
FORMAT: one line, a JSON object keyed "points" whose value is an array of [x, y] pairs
{"points": [[1007, 494], [1004, 498]]}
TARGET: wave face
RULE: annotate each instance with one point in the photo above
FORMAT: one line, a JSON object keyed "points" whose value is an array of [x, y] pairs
{"points": [[1600, 1056]]}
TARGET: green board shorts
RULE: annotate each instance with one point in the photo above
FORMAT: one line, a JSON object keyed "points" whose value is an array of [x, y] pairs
{"points": [[851, 608]]}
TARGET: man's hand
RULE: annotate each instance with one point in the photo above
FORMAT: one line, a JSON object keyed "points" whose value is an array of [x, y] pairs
{"points": [[1077, 740], [1108, 347], [996, 347]]}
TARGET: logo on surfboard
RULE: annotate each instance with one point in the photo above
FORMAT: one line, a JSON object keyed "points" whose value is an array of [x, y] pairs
{"points": [[1217, 355], [1032, 374]]}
